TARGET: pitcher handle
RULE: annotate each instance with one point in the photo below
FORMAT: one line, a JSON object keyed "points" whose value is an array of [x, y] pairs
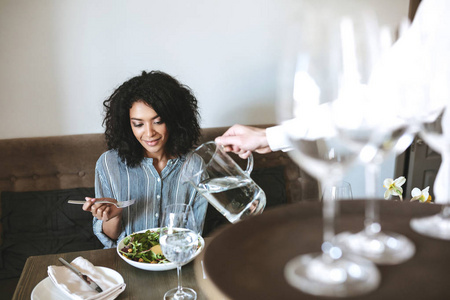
{"points": [[249, 165]]}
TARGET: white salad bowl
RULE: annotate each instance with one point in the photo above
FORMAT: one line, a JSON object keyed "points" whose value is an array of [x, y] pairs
{"points": [[155, 267]]}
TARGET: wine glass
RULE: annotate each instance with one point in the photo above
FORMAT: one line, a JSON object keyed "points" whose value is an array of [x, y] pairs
{"points": [[334, 49], [391, 124], [435, 126], [179, 242], [392, 135], [435, 132], [340, 191], [372, 243]]}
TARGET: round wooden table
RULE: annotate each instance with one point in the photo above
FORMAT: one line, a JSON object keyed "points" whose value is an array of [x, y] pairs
{"points": [[246, 260]]}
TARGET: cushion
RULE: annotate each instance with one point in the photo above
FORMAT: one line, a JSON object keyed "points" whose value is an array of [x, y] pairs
{"points": [[38, 223], [271, 181]]}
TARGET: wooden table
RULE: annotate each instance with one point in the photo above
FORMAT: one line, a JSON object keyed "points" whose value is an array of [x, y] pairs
{"points": [[246, 260], [141, 284]]}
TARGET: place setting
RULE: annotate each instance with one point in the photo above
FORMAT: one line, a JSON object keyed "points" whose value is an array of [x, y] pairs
{"points": [[157, 249], [79, 279]]}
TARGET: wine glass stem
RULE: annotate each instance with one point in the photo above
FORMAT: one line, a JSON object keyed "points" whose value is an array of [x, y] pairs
{"points": [[372, 214], [180, 287], [329, 216]]}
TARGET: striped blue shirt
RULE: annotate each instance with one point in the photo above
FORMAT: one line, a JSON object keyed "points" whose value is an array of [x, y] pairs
{"points": [[152, 192]]}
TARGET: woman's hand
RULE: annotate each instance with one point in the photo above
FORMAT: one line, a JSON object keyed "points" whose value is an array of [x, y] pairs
{"points": [[102, 211]]}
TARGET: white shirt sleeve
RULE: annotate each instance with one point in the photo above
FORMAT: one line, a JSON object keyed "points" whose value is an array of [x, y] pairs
{"points": [[309, 127], [277, 138]]}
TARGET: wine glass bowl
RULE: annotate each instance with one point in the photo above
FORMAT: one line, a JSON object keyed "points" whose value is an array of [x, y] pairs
{"points": [[340, 191], [179, 245], [179, 242]]}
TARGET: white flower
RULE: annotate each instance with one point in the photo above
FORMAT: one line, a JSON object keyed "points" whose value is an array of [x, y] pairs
{"points": [[393, 187], [421, 195]]}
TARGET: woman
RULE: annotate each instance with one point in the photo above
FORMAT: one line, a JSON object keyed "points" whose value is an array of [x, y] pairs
{"points": [[151, 122]]}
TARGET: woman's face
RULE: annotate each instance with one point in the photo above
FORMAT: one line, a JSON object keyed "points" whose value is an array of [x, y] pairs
{"points": [[149, 129]]}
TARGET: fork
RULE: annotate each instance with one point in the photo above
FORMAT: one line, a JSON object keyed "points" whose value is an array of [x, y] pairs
{"points": [[120, 204]]}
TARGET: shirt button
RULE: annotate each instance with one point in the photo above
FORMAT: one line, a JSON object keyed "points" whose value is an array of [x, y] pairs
{"points": [[156, 215], [158, 179], [158, 196]]}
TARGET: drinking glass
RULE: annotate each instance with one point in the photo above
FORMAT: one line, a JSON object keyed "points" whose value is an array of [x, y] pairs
{"points": [[372, 243], [435, 132], [435, 126], [327, 65], [179, 242], [389, 124], [340, 191], [393, 135]]}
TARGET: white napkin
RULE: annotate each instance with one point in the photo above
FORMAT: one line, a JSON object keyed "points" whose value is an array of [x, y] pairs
{"points": [[66, 280]]}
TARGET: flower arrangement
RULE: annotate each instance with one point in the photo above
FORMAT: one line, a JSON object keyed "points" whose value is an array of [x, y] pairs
{"points": [[394, 188]]}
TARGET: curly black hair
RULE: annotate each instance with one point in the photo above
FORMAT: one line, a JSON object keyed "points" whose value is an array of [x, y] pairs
{"points": [[172, 101]]}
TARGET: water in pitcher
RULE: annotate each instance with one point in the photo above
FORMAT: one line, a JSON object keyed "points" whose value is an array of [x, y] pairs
{"points": [[234, 197]]}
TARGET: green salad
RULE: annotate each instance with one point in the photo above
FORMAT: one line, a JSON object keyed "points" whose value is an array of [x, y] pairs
{"points": [[144, 247]]}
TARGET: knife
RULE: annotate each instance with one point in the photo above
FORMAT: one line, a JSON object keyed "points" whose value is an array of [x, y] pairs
{"points": [[85, 278]]}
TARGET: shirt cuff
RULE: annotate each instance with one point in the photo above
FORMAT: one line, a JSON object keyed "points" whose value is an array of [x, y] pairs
{"points": [[277, 139], [103, 238]]}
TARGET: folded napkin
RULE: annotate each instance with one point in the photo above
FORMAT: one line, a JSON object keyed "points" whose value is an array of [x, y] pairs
{"points": [[67, 281]]}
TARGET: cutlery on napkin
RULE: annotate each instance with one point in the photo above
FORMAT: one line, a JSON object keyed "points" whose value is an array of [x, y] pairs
{"points": [[84, 277], [70, 283]]}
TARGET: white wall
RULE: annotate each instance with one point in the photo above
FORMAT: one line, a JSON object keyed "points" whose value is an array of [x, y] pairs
{"points": [[59, 59]]}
